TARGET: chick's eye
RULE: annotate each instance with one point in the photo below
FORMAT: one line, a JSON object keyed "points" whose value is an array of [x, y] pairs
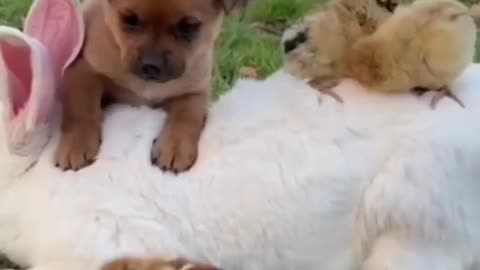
{"points": [[131, 21], [454, 17], [389, 5], [187, 28], [393, 6]]}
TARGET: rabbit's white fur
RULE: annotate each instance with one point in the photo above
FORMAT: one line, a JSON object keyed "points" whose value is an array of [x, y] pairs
{"points": [[283, 181]]}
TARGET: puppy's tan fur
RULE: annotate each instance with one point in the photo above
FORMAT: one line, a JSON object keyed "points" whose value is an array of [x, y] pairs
{"points": [[106, 70], [425, 45], [329, 33]]}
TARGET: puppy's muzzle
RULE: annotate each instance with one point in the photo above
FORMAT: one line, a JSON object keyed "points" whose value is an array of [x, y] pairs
{"points": [[157, 67]]}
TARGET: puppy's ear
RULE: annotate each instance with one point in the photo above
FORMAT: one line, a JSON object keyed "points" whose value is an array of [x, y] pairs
{"points": [[229, 5]]}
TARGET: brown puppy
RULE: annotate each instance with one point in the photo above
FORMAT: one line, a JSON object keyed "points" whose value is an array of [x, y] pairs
{"points": [[142, 52]]}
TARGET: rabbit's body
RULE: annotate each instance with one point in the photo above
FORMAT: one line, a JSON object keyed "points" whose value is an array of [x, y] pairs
{"points": [[316, 184]]}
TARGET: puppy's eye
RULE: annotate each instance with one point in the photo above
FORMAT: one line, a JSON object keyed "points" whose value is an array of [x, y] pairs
{"points": [[131, 22], [188, 28]]}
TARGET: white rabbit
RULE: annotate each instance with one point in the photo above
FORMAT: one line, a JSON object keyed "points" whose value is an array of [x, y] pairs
{"points": [[282, 182]]}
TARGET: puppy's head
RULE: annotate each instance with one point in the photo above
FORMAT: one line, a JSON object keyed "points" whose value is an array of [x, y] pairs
{"points": [[160, 39]]}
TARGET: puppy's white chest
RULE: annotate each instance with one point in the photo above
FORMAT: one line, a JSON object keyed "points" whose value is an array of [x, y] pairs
{"points": [[136, 91], [153, 92]]}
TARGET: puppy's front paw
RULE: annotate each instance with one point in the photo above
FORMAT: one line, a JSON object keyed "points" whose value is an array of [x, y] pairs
{"points": [[155, 264], [174, 152], [78, 148]]}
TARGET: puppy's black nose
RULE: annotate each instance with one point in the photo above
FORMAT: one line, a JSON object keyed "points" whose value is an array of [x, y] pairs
{"points": [[151, 70], [152, 66], [155, 67]]}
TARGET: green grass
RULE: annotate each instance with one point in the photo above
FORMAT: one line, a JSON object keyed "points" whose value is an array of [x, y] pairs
{"points": [[240, 44], [12, 11], [280, 10]]}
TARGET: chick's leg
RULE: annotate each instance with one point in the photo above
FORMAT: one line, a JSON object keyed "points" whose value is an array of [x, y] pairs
{"points": [[419, 91], [440, 93], [444, 92], [325, 87]]}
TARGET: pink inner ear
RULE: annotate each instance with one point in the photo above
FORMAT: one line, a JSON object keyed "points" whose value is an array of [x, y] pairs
{"points": [[18, 63], [55, 23], [63, 44]]}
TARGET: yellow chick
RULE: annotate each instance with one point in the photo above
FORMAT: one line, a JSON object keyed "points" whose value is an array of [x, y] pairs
{"points": [[314, 49], [475, 12], [423, 47]]}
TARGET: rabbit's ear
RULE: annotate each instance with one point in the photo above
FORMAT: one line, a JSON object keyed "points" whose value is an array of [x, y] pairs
{"points": [[27, 93], [31, 68], [59, 26]]}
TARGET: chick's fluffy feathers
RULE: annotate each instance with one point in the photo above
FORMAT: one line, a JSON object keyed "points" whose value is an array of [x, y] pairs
{"points": [[475, 12], [328, 34], [426, 45]]}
